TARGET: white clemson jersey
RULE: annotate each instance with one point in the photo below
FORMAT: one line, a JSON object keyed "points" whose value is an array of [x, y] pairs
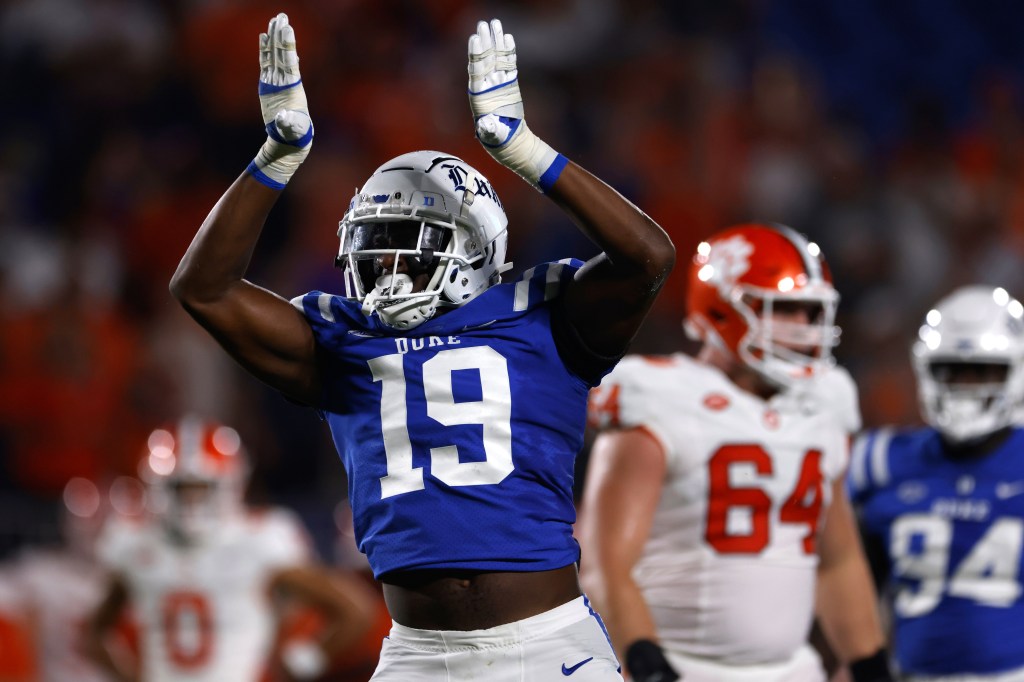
{"points": [[729, 568], [60, 590], [204, 612]]}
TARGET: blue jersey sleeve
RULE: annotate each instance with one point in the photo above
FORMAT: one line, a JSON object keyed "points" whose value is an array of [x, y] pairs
{"points": [[869, 464]]}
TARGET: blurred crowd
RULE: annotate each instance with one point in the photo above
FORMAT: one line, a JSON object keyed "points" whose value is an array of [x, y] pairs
{"points": [[890, 133]]}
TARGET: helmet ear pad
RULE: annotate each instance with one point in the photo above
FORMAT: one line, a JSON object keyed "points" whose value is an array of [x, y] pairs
{"points": [[463, 282]]}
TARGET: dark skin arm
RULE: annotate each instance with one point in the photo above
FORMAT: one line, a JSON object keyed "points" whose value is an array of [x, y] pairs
{"points": [[270, 338], [100, 624], [613, 292], [345, 602], [258, 328]]}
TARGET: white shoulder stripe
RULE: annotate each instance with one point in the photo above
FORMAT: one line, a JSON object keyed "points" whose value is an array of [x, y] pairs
{"points": [[880, 457], [522, 298], [297, 303], [551, 282], [859, 462], [324, 301]]}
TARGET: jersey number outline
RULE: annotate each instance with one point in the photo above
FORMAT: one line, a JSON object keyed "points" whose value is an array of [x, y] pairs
{"points": [[179, 608], [802, 506], [988, 574], [493, 411]]}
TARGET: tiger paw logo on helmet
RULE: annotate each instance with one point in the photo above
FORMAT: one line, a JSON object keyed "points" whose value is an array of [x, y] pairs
{"points": [[763, 294], [726, 262]]}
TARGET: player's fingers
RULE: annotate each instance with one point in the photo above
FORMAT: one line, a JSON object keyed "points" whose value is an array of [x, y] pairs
{"points": [[510, 45], [289, 53], [484, 31], [264, 54], [498, 34], [505, 56]]}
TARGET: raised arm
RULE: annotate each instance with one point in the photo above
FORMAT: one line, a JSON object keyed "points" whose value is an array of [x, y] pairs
{"points": [[260, 329], [613, 292]]}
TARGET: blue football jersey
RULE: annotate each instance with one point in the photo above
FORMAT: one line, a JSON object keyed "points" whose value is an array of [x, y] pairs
{"points": [[953, 531], [459, 436]]}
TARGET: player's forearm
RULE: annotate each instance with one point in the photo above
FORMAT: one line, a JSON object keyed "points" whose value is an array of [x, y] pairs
{"points": [[97, 651], [623, 610], [847, 609], [219, 254], [625, 233]]}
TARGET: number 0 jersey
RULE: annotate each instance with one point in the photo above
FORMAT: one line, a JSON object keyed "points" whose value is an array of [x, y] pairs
{"points": [[729, 569], [204, 611], [458, 437], [953, 533]]}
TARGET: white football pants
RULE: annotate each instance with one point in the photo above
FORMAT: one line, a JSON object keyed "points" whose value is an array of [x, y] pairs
{"points": [[566, 644]]}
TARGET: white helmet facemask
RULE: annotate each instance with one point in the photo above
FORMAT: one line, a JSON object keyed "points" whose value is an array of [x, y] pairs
{"points": [[969, 362], [425, 232], [786, 352]]}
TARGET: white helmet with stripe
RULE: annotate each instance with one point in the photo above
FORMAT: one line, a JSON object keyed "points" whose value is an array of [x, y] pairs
{"points": [[969, 362], [426, 231]]}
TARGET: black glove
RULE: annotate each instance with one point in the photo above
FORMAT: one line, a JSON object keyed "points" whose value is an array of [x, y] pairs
{"points": [[646, 662], [873, 668]]}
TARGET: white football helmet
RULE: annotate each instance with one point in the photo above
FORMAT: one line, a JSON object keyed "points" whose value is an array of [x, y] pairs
{"points": [[975, 325], [426, 231], [196, 475]]}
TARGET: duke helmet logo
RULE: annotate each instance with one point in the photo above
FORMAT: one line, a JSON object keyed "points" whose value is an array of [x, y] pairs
{"points": [[457, 174]]}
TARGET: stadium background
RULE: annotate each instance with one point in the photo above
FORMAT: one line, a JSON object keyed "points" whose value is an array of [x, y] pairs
{"points": [[890, 132]]}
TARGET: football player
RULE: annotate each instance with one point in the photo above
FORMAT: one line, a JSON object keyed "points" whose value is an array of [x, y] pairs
{"points": [[457, 403], [943, 505], [714, 520], [205, 577], [57, 588]]}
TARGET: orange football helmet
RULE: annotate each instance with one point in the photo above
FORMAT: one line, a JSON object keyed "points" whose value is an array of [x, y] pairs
{"points": [[196, 473], [744, 284]]}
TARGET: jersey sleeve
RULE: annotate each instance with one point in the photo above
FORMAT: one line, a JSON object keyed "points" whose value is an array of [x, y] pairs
{"points": [[547, 283], [328, 315], [841, 393], [284, 539], [624, 400], [869, 464]]}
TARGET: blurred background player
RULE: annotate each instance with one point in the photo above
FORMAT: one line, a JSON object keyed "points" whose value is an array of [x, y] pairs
{"points": [[942, 506], [457, 403], [207, 579], [58, 588], [714, 522]]}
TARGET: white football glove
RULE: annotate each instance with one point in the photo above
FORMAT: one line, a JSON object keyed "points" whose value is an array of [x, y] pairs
{"points": [[283, 100], [497, 108]]}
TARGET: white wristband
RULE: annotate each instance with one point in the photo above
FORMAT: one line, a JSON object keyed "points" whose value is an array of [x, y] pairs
{"points": [[289, 138], [521, 151]]}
